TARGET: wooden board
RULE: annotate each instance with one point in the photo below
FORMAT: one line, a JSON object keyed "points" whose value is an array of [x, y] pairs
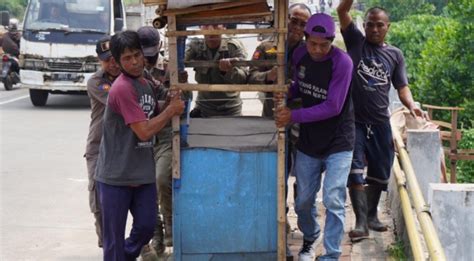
{"points": [[200, 8], [252, 12]]}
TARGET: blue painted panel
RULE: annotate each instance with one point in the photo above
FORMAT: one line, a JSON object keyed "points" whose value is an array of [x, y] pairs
{"points": [[271, 256], [225, 203]]}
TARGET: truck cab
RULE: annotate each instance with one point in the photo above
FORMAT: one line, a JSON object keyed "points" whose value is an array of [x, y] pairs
{"points": [[57, 49]]}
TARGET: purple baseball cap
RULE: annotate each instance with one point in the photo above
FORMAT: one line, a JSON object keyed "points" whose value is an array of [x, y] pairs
{"points": [[322, 25]]}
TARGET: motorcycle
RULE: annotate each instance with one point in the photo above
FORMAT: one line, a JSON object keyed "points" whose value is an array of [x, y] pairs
{"points": [[10, 71]]}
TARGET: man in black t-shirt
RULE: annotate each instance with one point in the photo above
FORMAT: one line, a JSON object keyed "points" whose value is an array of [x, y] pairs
{"points": [[377, 66]]}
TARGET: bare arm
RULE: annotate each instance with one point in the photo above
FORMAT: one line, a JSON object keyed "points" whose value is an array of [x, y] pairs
{"points": [[146, 129], [343, 9], [406, 98]]}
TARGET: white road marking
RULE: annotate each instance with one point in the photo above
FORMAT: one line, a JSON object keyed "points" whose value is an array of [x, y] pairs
{"points": [[14, 99], [77, 180]]}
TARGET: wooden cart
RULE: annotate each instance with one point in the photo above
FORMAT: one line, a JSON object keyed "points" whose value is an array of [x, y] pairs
{"points": [[231, 12]]}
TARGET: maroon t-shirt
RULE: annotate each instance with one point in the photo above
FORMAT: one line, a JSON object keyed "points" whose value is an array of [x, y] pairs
{"points": [[124, 159]]}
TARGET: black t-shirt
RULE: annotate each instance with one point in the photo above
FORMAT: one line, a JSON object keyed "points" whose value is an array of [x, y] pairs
{"points": [[375, 69], [315, 80]]}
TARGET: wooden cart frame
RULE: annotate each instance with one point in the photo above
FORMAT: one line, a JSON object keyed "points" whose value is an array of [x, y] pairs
{"points": [[280, 29]]}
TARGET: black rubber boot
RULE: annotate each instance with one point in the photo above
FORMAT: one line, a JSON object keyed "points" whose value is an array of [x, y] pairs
{"points": [[373, 197], [359, 205], [158, 237]]}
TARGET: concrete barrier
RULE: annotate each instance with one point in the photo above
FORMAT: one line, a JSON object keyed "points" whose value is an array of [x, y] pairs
{"points": [[424, 148], [452, 210]]}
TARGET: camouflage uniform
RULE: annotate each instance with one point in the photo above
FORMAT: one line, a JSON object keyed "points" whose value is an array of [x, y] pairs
{"points": [[229, 103], [98, 87], [267, 50]]}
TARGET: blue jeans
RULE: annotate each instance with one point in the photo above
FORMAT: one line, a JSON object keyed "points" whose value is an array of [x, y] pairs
{"points": [[308, 177]]}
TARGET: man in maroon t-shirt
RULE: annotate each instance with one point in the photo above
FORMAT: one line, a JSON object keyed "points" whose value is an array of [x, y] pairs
{"points": [[125, 174]]}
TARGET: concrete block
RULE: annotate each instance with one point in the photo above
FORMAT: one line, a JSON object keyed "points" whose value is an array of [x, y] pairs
{"points": [[452, 210], [424, 148]]}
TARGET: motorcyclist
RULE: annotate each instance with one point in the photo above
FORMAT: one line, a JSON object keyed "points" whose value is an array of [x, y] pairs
{"points": [[11, 42]]}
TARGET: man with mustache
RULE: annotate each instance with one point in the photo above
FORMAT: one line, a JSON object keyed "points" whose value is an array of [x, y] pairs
{"points": [[377, 66], [125, 173], [224, 50]]}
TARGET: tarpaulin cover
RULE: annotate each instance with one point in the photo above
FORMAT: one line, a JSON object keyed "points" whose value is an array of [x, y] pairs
{"points": [[233, 133], [187, 3]]}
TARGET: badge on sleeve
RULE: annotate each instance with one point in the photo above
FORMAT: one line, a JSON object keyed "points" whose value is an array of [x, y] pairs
{"points": [[256, 55], [104, 87]]}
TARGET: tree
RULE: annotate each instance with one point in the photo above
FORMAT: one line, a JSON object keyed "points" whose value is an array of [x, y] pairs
{"points": [[411, 35], [399, 9], [445, 76], [15, 7]]}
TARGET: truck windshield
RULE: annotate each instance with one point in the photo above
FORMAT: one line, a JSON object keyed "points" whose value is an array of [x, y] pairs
{"points": [[69, 15]]}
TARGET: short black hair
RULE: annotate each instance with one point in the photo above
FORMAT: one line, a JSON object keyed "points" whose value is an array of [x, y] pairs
{"points": [[377, 9], [124, 40], [299, 5]]}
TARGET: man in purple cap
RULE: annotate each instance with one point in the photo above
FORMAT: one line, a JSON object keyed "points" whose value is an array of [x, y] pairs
{"points": [[377, 66], [322, 76], [98, 87]]}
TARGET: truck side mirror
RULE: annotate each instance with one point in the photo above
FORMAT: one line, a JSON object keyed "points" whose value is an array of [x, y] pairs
{"points": [[118, 24], [5, 18]]}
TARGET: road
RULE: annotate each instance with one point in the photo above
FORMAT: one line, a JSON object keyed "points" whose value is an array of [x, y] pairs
{"points": [[43, 177]]}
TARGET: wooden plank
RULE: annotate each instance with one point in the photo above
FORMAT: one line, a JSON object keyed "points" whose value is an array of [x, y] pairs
{"points": [[280, 22], [446, 135], [442, 124], [208, 64], [231, 87], [236, 18], [210, 7], [442, 108], [465, 157], [466, 151], [155, 2], [173, 67], [225, 31]]}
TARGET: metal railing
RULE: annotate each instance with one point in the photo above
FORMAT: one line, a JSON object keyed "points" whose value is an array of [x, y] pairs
{"points": [[407, 176]]}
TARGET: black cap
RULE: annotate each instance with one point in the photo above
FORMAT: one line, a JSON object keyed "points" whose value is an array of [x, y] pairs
{"points": [[149, 40], [102, 48]]}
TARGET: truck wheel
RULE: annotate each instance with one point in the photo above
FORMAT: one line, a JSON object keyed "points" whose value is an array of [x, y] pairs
{"points": [[8, 83], [38, 97]]}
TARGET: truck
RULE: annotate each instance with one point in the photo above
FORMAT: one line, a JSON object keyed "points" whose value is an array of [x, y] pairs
{"points": [[57, 48]]}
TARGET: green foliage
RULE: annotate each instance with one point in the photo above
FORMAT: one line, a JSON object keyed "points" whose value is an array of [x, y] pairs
{"points": [[410, 35], [465, 169], [399, 9], [396, 250], [15, 7], [445, 73], [439, 54]]}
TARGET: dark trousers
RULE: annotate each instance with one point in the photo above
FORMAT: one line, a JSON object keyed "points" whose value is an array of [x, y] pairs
{"points": [[115, 203]]}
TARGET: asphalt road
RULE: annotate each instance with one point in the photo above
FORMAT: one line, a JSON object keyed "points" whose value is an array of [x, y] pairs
{"points": [[44, 213]]}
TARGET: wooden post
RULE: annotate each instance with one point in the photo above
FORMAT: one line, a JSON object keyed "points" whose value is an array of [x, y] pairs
{"points": [[173, 69], [453, 145], [280, 22]]}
